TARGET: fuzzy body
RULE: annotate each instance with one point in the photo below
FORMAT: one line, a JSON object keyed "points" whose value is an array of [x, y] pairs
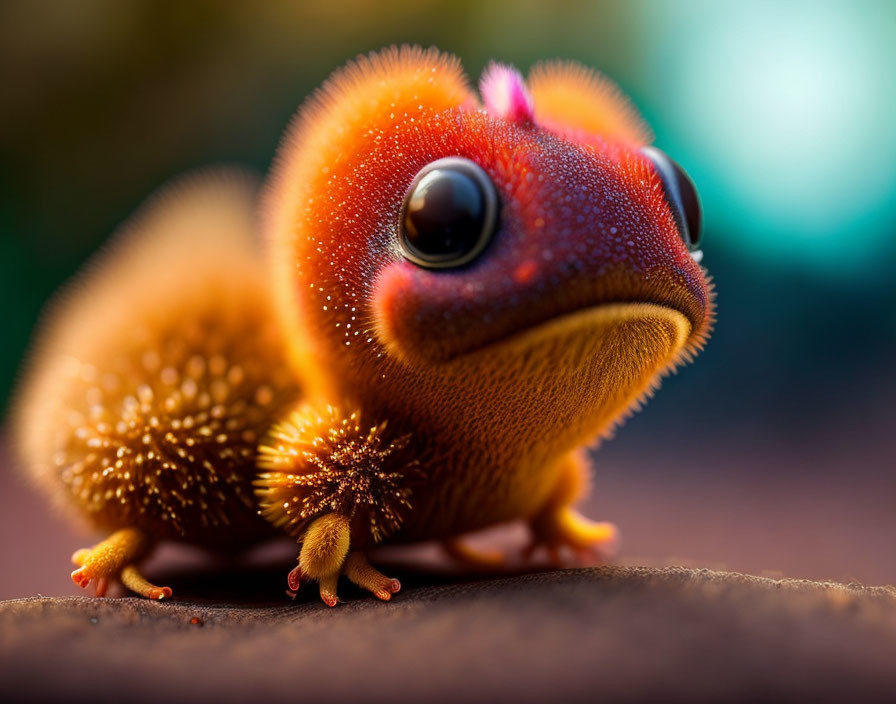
{"points": [[500, 368]]}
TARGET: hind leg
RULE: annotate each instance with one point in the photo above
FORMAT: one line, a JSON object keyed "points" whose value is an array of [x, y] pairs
{"points": [[559, 526], [115, 558]]}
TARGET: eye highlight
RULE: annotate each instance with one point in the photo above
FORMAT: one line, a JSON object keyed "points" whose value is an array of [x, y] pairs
{"points": [[681, 194], [449, 214]]}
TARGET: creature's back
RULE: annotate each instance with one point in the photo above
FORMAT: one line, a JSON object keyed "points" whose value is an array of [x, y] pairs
{"points": [[158, 369]]}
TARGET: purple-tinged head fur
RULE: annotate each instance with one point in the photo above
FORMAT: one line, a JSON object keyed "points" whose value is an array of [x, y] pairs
{"points": [[505, 94]]}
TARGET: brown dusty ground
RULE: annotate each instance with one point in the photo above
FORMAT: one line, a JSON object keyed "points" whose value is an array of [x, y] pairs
{"points": [[610, 634]]}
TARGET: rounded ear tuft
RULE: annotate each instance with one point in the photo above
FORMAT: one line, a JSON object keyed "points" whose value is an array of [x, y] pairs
{"points": [[577, 102], [372, 91]]}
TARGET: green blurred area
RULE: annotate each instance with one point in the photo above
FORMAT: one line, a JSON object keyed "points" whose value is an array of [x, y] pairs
{"points": [[782, 112]]}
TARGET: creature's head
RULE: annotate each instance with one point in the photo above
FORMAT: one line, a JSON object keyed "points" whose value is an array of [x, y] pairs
{"points": [[529, 263]]}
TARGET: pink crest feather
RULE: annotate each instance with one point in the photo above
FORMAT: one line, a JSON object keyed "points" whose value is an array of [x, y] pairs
{"points": [[505, 94]]}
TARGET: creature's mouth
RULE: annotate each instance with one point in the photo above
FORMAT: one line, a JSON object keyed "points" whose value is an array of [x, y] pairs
{"points": [[452, 320], [593, 328]]}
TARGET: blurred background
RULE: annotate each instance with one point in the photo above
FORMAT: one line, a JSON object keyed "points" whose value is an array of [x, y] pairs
{"points": [[773, 454]]}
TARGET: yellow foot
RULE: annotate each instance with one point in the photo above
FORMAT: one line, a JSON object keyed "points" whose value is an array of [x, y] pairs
{"points": [[114, 558], [564, 527], [325, 556]]}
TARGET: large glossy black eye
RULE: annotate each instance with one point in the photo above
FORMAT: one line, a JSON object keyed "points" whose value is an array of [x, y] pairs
{"points": [[449, 214], [681, 195]]}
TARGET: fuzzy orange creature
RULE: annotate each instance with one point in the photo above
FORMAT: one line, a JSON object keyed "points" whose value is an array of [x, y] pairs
{"points": [[465, 296]]}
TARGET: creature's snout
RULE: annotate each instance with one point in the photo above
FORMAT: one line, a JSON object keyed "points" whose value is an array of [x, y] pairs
{"points": [[576, 230]]}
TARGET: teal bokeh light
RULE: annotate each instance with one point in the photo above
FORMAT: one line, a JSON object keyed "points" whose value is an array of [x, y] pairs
{"points": [[784, 114]]}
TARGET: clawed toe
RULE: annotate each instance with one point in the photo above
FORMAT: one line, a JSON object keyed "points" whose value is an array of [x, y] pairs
{"points": [[393, 587], [81, 578], [294, 579]]}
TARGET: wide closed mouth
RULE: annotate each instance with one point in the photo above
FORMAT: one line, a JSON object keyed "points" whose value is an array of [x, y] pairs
{"points": [[437, 319], [588, 325]]}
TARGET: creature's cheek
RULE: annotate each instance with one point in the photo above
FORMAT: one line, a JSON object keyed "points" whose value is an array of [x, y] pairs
{"points": [[396, 308], [420, 315]]}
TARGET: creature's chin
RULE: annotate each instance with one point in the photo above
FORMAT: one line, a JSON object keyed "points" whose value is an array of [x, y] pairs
{"points": [[565, 381]]}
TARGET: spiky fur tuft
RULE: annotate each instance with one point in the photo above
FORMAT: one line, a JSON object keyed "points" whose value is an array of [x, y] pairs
{"points": [[314, 463]]}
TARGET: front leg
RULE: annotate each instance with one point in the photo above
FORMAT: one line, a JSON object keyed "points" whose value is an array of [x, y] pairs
{"points": [[337, 484], [558, 525], [325, 556]]}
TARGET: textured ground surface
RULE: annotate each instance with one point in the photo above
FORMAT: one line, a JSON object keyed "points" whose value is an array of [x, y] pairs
{"points": [[629, 634]]}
